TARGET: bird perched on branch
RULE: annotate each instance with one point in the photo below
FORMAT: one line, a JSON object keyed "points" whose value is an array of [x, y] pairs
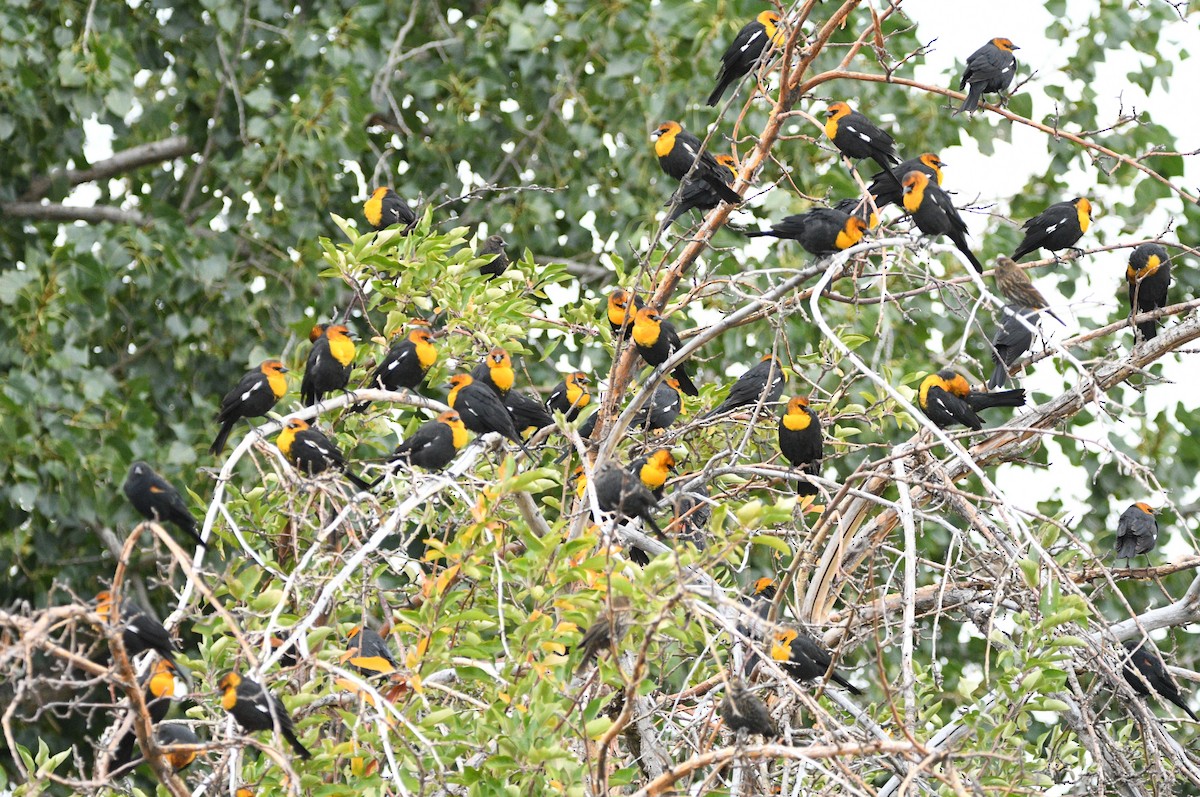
{"points": [[139, 631], [1145, 671], [743, 711], [435, 444], [170, 734], [821, 231], [1137, 531], [312, 453], [405, 365], [656, 340], [481, 409], [934, 213], [805, 660], [857, 137], [677, 150], [1014, 284], [385, 208], [256, 393], [990, 69], [1058, 227], [570, 395], [654, 469], [762, 383], [946, 399], [606, 632], [801, 442], [493, 247], [156, 499], [1013, 338], [329, 364], [620, 320], [1149, 277], [698, 194], [528, 413], [496, 371], [745, 50], [661, 410], [368, 652], [621, 491], [256, 709], [885, 185], [161, 685]]}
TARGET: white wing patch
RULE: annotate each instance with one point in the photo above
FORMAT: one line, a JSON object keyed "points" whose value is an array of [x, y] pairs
{"points": [[751, 40]]}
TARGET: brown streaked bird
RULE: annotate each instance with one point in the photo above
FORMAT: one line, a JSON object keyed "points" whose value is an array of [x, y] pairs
{"points": [[1014, 284], [743, 711], [606, 632]]}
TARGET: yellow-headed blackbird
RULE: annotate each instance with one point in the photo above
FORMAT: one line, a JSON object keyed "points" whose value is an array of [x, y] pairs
{"points": [[742, 711], [1152, 674], [821, 231], [859, 207], [1012, 339], [934, 213], [407, 361], [621, 491], [698, 195], [528, 413], [367, 651], [805, 660], [764, 382], [654, 470], [481, 409], [316, 332], [161, 684], [139, 631], [496, 371], [176, 733], [1137, 531], [1014, 284], [256, 709], [946, 398], [990, 69], [311, 452], [570, 395], [494, 245], [606, 632], [857, 137], [885, 185], [155, 498], [1058, 227], [385, 208], [677, 150], [656, 340], [662, 409], [1149, 277], [745, 50], [329, 364], [800, 440], [620, 320], [257, 392], [434, 445]]}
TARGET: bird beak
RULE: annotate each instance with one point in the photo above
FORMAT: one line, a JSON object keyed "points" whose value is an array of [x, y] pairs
{"points": [[283, 369]]}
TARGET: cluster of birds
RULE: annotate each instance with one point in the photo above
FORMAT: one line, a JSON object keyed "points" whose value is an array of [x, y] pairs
{"points": [[485, 400]]}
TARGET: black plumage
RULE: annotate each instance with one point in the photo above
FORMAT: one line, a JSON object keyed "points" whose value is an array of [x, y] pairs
{"points": [[1012, 339], [1149, 278], [990, 69], [821, 231], [764, 382], [1145, 671], [1137, 531], [745, 50], [156, 499], [934, 213]]}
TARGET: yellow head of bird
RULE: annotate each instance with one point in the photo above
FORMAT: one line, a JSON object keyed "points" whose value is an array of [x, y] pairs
{"points": [[1005, 44]]}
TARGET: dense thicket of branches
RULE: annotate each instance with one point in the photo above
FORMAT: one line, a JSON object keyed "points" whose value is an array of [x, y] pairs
{"points": [[979, 609]]}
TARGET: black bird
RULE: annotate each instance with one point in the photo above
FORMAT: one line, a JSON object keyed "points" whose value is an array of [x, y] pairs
{"points": [[804, 659], [821, 231], [990, 69], [1058, 227], [155, 498], [570, 395], [256, 393], [677, 150], [1137, 531], [656, 340], [621, 491], [1149, 277], [385, 208], [745, 50], [256, 709], [312, 453], [857, 137], [434, 445], [367, 651], [801, 441], [1152, 675], [494, 245], [885, 185], [934, 213], [764, 382], [329, 364], [620, 320], [606, 632], [660, 412], [946, 399], [528, 413], [160, 683], [405, 365], [139, 631], [176, 733], [1012, 339], [481, 410], [698, 194]]}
